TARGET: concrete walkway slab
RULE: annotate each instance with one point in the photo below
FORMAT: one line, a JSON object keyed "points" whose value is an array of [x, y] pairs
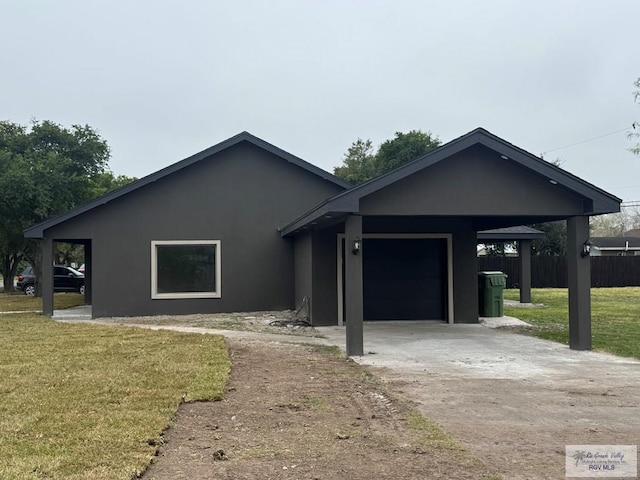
{"points": [[82, 312]]}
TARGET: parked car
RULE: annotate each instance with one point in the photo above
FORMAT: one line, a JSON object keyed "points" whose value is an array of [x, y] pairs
{"points": [[65, 279]]}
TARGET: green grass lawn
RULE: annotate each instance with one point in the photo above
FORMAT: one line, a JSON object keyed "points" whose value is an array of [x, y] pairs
{"points": [[91, 402], [19, 302], [615, 317]]}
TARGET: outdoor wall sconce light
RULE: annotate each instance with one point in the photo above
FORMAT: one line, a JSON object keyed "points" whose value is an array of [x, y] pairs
{"points": [[357, 244], [586, 249]]}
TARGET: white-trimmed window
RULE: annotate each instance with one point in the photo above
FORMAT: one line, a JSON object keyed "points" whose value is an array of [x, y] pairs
{"points": [[185, 269]]}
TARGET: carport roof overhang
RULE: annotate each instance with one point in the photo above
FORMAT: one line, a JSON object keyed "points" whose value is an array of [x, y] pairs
{"points": [[595, 200]]}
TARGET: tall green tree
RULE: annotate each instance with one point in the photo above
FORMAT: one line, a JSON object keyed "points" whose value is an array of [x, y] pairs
{"points": [[403, 148], [45, 169], [358, 164], [361, 163]]}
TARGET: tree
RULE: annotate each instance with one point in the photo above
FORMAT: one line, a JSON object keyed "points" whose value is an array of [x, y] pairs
{"points": [[636, 125], [358, 164], [555, 241], [107, 181], [615, 224], [361, 164], [45, 170], [403, 148]]}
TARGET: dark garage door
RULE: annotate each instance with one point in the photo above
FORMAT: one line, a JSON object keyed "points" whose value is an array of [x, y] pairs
{"points": [[405, 279]]}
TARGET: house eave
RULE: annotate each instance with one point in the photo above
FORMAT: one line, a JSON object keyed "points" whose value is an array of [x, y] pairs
{"points": [[323, 214]]}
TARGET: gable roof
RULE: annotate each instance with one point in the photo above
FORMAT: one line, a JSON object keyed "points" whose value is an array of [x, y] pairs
{"points": [[37, 231], [348, 202], [511, 233]]}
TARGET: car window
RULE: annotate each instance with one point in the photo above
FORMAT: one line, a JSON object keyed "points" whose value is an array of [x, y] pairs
{"points": [[74, 271]]}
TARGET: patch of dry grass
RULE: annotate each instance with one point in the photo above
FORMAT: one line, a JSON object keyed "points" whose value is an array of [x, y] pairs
{"points": [[91, 402]]}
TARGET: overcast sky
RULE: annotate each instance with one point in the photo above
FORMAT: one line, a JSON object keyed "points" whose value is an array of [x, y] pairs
{"points": [[161, 80]]}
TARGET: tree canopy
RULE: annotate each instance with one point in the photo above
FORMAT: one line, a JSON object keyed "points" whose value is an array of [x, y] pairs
{"points": [[45, 170], [615, 224], [358, 164], [361, 163], [555, 241]]}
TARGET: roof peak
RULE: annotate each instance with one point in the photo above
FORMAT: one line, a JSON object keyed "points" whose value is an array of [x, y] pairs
{"points": [[37, 231]]}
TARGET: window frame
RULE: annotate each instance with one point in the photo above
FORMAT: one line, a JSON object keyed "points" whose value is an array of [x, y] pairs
{"points": [[178, 295]]}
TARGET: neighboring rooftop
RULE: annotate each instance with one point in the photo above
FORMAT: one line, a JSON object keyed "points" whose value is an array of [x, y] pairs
{"points": [[511, 233], [616, 243]]}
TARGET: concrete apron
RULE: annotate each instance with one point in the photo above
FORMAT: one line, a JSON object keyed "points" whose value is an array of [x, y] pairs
{"points": [[472, 350], [514, 400]]}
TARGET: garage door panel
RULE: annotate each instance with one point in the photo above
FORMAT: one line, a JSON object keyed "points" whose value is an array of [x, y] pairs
{"points": [[404, 279]]}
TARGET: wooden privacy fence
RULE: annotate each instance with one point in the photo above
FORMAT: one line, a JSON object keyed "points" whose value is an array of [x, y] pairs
{"points": [[552, 271]]}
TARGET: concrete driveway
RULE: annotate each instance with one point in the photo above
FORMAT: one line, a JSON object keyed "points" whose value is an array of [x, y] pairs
{"points": [[515, 401]]}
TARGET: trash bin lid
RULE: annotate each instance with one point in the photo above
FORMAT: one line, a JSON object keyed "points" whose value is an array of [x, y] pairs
{"points": [[498, 280]]}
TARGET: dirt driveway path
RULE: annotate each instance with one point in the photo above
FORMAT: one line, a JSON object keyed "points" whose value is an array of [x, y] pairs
{"points": [[291, 411], [513, 400]]}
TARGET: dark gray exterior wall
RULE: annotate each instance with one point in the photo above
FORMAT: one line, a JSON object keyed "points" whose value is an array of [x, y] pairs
{"points": [[324, 299], [303, 269], [316, 274], [240, 196], [325, 274], [465, 276], [474, 182]]}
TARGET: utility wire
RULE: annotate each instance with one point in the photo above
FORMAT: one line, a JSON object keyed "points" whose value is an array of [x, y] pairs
{"points": [[588, 140]]}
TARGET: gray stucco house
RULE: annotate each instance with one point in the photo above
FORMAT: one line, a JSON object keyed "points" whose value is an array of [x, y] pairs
{"points": [[246, 226]]}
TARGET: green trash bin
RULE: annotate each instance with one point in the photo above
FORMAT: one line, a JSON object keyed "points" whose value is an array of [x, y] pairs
{"points": [[490, 292]]}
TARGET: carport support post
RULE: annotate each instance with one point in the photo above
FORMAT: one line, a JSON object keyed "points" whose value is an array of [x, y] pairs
{"points": [[353, 290], [579, 280], [46, 282], [88, 274], [524, 252]]}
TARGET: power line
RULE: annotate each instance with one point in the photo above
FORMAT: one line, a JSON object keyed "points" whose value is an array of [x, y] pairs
{"points": [[588, 140]]}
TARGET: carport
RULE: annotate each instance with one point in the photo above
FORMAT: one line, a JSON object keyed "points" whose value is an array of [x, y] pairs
{"points": [[474, 183], [47, 246]]}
